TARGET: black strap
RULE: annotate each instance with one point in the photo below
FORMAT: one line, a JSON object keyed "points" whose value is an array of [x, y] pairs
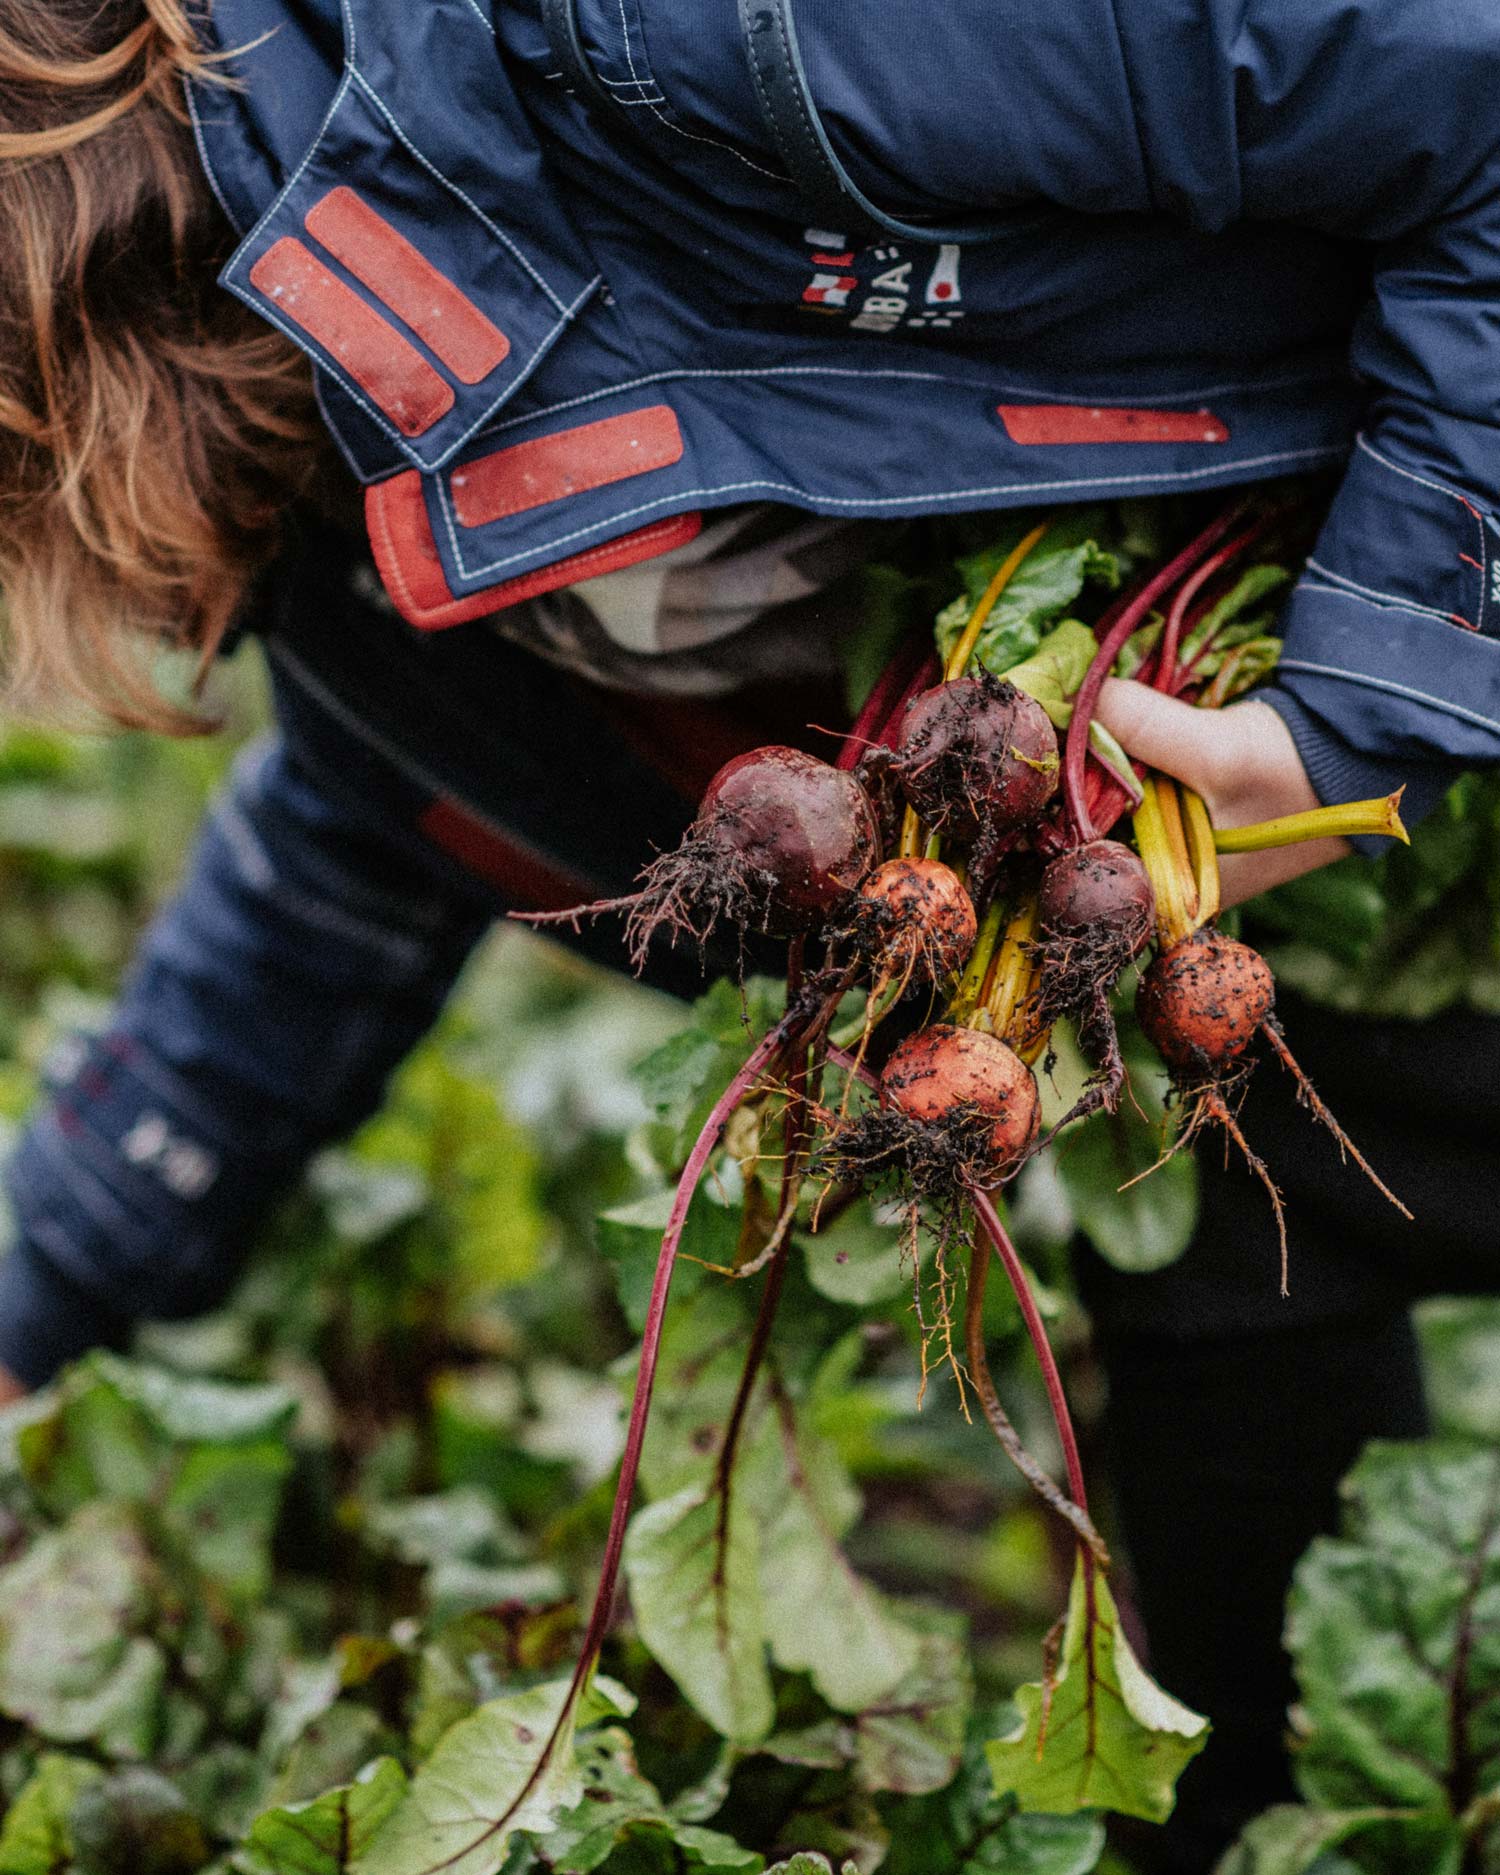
{"points": [[560, 21], [786, 103]]}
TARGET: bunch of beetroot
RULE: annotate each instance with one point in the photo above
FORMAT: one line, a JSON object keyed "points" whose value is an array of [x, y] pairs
{"points": [[959, 869]]}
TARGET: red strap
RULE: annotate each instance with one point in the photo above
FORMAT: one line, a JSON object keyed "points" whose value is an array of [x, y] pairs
{"points": [[380, 257], [407, 558], [1092, 423], [568, 462], [384, 364], [524, 877]]}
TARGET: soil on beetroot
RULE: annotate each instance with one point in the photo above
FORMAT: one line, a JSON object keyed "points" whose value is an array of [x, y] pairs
{"points": [[957, 1110], [781, 843], [978, 761], [1095, 913], [1202, 1002], [912, 922]]}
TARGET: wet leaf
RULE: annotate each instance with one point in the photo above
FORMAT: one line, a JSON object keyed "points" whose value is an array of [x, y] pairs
{"points": [[329, 1834], [1109, 1738]]}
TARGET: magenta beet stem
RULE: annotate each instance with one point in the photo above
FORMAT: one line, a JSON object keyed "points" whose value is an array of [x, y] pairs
{"points": [[772, 1045], [1171, 637], [1127, 620], [1057, 1399], [909, 673]]}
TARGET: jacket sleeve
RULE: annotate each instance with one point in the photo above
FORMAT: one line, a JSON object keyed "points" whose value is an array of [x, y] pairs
{"points": [[1372, 121], [303, 957]]}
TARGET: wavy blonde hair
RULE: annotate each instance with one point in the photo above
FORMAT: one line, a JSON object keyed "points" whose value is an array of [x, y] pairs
{"points": [[152, 430]]}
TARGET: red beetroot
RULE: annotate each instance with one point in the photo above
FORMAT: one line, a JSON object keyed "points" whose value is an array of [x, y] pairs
{"points": [[1100, 892], [1095, 912], [1201, 1003], [913, 918], [807, 829], [977, 757], [951, 1080], [780, 845]]}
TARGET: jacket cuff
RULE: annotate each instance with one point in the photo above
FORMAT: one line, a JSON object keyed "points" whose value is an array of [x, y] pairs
{"points": [[1392, 635], [1340, 772], [47, 1320]]}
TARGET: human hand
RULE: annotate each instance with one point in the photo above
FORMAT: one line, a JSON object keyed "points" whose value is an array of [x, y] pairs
{"points": [[1243, 762], [11, 1389]]}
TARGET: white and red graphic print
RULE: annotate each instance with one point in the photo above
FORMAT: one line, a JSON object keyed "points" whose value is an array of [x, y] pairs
{"points": [[917, 295], [833, 279]]}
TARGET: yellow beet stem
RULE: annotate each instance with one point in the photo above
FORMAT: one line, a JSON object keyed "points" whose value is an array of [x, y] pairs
{"points": [[912, 840], [1347, 821], [1205, 861], [966, 998], [1012, 976], [1170, 876], [1169, 801], [958, 663]]}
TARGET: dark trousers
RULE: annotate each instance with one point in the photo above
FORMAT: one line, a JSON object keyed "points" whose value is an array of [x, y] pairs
{"points": [[1233, 1413]]}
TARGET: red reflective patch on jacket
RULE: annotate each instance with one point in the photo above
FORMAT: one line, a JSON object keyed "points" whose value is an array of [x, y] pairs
{"points": [[524, 877], [402, 277], [407, 559], [370, 349], [1096, 423], [568, 462]]}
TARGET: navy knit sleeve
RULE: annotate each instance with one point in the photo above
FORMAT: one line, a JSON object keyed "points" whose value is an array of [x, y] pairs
{"points": [[303, 957], [1375, 122]]}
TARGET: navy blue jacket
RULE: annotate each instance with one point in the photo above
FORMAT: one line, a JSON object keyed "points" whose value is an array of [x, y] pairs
{"points": [[573, 275]]}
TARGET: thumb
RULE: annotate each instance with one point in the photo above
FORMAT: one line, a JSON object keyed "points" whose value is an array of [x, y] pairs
{"points": [[1165, 733]]}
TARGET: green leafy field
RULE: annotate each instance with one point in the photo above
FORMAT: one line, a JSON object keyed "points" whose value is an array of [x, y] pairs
{"points": [[296, 1589]]}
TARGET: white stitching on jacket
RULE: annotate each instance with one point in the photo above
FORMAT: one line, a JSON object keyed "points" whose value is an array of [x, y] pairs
{"points": [[910, 503]]}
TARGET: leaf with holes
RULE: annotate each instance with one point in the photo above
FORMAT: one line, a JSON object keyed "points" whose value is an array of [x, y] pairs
{"points": [[1107, 1737]]}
